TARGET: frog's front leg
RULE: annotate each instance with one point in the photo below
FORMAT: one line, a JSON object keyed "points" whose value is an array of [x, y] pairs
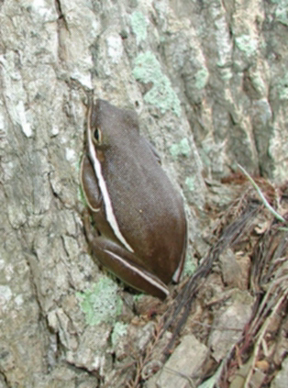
{"points": [[89, 185], [125, 265]]}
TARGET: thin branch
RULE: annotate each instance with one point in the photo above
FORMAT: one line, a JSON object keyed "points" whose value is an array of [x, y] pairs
{"points": [[257, 188]]}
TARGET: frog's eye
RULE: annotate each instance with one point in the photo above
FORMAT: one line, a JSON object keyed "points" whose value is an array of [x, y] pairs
{"points": [[97, 136]]}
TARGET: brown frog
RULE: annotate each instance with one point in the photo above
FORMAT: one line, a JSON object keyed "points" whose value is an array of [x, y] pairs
{"points": [[139, 216]]}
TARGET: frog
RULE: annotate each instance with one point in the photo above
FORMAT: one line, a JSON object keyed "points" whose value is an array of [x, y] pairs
{"points": [[140, 227]]}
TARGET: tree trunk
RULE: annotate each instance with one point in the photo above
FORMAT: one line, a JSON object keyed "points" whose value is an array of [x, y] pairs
{"points": [[208, 79]]}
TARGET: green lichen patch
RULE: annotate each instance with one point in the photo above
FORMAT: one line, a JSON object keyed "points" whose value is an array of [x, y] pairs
{"points": [[120, 329], [181, 148], [225, 74], [282, 15], [139, 26], [281, 12], [189, 267], [138, 297], [201, 78], [147, 69], [246, 44], [101, 303], [190, 183]]}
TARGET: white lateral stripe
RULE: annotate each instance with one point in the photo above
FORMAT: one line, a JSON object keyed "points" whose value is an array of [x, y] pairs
{"points": [[83, 191], [103, 188], [139, 272], [176, 274]]}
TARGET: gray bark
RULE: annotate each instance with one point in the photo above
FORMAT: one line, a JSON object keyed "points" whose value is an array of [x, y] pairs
{"points": [[209, 81]]}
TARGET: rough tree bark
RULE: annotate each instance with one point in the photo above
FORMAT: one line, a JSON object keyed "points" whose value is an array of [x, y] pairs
{"points": [[209, 81]]}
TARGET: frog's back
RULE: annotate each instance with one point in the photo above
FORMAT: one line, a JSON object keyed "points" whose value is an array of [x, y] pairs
{"points": [[147, 207]]}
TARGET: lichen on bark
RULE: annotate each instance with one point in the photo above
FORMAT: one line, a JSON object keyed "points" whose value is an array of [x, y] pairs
{"points": [[208, 81]]}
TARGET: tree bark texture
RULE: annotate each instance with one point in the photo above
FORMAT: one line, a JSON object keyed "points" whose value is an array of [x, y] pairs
{"points": [[208, 79]]}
